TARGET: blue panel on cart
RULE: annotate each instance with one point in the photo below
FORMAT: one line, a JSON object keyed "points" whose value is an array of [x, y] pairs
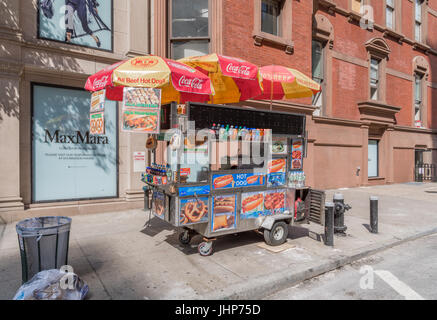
{"points": [[191, 191]]}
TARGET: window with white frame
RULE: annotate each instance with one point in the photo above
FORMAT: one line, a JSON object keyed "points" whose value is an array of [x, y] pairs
{"points": [[390, 14], [270, 17], [374, 79], [317, 72], [418, 99], [418, 20], [189, 28]]}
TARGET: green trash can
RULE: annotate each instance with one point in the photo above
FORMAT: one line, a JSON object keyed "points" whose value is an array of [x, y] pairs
{"points": [[43, 243]]}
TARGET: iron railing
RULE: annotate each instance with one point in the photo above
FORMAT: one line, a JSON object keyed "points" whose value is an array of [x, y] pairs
{"points": [[425, 172]]}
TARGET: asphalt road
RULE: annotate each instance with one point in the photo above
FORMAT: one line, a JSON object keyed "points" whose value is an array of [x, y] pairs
{"points": [[405, 272]]}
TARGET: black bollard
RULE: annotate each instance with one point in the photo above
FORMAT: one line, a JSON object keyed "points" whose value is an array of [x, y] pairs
{"points": [[329, 224], [373, 214]]}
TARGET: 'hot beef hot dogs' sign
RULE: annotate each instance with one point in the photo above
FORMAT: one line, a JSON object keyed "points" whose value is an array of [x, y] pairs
{"points": [[237, 180]]}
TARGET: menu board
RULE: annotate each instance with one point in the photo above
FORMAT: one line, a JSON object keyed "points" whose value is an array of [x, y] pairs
{"points": [[224, 210], [97, 109], [237, 180], [279, 145], [97, 123], [296, 154], [97, 101], [252, 205], [193, 210], [141, 110]]}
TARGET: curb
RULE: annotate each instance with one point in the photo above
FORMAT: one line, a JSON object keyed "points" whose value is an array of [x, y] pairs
{"points": [[263, 286]]}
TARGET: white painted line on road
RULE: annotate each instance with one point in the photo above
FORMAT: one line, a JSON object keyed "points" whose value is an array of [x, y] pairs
{"points": [[398, 285]]}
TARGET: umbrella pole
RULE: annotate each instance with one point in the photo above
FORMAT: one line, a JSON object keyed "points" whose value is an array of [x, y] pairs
{"points": [[271, 93]]}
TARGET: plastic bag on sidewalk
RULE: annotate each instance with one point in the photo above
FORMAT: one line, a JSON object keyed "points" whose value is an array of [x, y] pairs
{"points": [[53, 285]]}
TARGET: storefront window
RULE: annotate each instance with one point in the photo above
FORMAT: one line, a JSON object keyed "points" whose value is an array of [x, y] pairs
{"points": [[67, 162], [189, 31]]}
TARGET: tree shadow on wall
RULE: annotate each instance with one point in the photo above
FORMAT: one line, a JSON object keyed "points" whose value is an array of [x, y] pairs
{"points": [[62, 116]]}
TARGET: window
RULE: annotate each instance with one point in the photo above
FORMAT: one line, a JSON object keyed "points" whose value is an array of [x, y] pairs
{"points": [[189, 30], [418, 100], [317, 72], [67, 162], [390, 14], [373, 159], [270, 16], [356, 5], [374, 79], [418, 20]]}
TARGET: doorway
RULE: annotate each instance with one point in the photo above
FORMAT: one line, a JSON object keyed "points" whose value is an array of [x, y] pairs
{"points": [[373, 155]]}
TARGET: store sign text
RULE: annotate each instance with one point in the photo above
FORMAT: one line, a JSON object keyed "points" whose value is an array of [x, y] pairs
{"points": [[75, 139]]}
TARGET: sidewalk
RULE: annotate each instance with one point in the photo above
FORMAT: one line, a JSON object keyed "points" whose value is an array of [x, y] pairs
{"points": [[121, 260]]}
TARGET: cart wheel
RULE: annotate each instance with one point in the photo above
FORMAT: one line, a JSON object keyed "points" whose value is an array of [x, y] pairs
{"points": [[185, 237], [277, 235], [205, 248]]}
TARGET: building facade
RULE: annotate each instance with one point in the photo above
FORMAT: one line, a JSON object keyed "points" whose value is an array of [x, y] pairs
{"points": [[372, 122]]}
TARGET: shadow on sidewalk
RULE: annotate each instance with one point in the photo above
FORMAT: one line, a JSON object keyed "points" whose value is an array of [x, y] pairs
{"points": [[223, 243]]}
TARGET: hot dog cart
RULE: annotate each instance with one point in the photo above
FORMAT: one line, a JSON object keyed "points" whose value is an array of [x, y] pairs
{"points": [[217, 170]]}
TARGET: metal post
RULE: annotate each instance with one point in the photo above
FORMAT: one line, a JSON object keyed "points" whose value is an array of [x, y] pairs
{"points": [[339, 210], [329, 224], [373, 214], [146, 198]]}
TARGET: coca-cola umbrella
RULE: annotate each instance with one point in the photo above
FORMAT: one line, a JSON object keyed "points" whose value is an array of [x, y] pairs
{"points": [[285, 83], [178, 82], [233, 79]]}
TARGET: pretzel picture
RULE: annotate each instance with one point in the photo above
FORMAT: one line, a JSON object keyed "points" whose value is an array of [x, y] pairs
{"points": [[193, 211]]}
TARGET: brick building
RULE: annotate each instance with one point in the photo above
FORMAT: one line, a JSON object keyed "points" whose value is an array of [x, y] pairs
{"points": [[374, 59]]}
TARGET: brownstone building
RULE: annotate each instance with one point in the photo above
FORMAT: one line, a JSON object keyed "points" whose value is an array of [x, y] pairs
{"points": [[374, 59]]}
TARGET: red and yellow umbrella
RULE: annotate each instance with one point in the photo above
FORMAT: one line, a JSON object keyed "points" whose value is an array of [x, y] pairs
{"points": [[177, 81], [285, 83], [233, 79]]}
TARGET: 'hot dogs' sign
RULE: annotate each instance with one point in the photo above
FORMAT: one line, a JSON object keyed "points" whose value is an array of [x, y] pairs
{"points": [[237, 180]]}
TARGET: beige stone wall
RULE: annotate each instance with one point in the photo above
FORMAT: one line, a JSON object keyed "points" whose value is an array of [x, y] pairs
{"points": [[25, 59]]}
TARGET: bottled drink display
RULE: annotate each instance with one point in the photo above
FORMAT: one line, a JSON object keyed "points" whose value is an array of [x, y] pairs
{"points": [[157, 174], [296, 179]]}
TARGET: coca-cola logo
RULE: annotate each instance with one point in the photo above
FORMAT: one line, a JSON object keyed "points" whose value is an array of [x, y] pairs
{"points": [[194, 83], [242, 70], [144, 62], [100, 82]]}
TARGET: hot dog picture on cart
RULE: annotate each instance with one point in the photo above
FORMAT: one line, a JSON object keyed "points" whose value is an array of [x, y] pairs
{"points": [[224, 213]]}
